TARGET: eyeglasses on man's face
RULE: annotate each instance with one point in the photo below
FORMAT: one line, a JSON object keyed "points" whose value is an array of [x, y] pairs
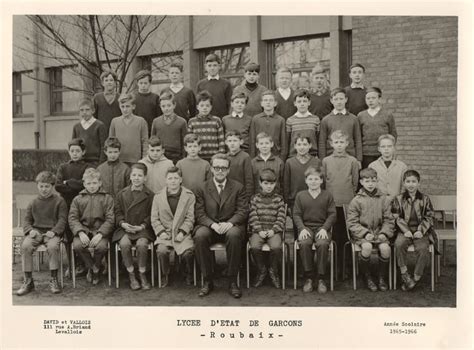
{"points": [[220, 168]]}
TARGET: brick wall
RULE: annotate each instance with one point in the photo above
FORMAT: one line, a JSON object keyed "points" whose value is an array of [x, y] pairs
{"points": [[414, 61]]}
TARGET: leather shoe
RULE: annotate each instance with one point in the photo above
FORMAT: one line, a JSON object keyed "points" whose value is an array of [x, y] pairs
{"points": [[134, 285], [27, 286], [322, 287], [275, 279], [144, 282], [54, 286], [206, 288], [382, 284], [371, 284], [234, 290], [260, 278], [308, 286]]}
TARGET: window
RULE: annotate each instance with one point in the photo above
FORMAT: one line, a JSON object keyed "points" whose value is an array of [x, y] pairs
{"points": [[159, 65], [233, 61], [65, 90], [23, 94], [301, 56]]}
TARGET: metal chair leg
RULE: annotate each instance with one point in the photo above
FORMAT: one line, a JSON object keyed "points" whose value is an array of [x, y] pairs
{"points": [[390, 271], [295, 262], [73, 267], [117, 274], [109, 268], [194, 272], [61, 276], [159, 272], [432, 269], [354, 269], [248, 265], [283, 262], [332, 266], [395, 268], [152, 265]]}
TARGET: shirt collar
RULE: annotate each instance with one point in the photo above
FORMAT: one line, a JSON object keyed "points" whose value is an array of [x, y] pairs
{"points": [[418, 195], [168, 117], [86, 124], [177, 87], [136, 189], [268, 158], [239, 115], [344, 111], [357, 86], [213, 78], [300, 115], [343, 155], [219, 183], [373, 111]]}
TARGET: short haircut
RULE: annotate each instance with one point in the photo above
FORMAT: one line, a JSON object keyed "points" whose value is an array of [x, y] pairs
{"points": [[267, 175], [106, 73], [252, 67], [337, 90], [139, 166], [300, 136], [387, 137], [128, 97], [412, 172], [313, 171], [235, 133], [91, 174], [302, 93], [77, 142], [268, 93], [339, 134], [174, 169], [167, 96], [220, 156], [46, 177], [239, 95], [112, 142], [374, 89], [212, 57], [355, 65], [264, 135], [284, 70], [204, 96], [154, 141], [86, 102], [367, 173], [178, 65], [143, 74], [190, 138]]}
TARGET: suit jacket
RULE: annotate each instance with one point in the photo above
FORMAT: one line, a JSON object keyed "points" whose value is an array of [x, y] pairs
{"points": [[231, 206], [163, 220], [134, 212]]}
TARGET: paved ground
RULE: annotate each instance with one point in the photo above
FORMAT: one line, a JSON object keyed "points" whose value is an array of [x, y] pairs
{"points": [[177, 294]]}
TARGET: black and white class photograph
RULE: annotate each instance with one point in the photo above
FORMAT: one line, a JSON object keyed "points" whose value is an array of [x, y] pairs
{"points": [[246, 161]]}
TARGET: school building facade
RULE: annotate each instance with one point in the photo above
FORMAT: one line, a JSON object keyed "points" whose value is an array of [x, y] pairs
{"points": [[414, 60]]}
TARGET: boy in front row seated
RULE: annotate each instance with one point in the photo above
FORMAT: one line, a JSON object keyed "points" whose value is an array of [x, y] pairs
{"points": [[267, 221], [132, 216], [172, 219], [314, 214], [370, 222], [91, 219], [45, 221], [414, 225]]}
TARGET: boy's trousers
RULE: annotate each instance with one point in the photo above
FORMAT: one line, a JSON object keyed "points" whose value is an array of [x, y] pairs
{"points": [[142, 252], [29, 245], [322, 253], [274, 242], [421, 252], [99, 252], [163, 254]]}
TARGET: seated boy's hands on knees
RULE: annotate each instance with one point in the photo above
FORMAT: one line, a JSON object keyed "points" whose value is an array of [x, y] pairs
{"points": [[304, 234], [322, 234], [165, 235], [33, 233], [417, 235], [179, 237], [270, 233], [370, 237], [408, 234], [263, 234], [50, 234], [95, 240], [84, 239], [382, 237]]}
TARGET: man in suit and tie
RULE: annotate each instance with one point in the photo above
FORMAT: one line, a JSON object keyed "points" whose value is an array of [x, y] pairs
{"points": [[221, 213]]}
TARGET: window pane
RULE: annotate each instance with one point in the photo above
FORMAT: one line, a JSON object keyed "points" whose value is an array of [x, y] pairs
{"points": [[27, 103], [27, 84], [233, 59], [71, 80], [70, 100]]}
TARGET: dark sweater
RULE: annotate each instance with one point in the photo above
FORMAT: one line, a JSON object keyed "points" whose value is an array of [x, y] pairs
{"points": [[171, 133], [321, 104], [114, 176], [71, 172], [221, 92], [241, 171], [239, 124], [274, 163], [294, 179], [185, 102], [373, 127], [314, 213], [104, 111], [254, 104], [355, 100], [267, 212], [285, 108], [147, 106], [46, 214], [94, 138], [275, 126]]}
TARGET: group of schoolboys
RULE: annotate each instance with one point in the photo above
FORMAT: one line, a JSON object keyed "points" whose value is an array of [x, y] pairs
{"points": [[284, 146]]}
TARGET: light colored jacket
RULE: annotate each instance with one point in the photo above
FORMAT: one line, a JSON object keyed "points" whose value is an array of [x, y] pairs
{"points": [[156, 174], [163, 220], [390, 180]]}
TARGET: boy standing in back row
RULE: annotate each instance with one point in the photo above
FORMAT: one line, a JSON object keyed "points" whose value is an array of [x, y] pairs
{"points": [[356, 91], [220, 89], [106, 104], [252, 89], [147, 103]]}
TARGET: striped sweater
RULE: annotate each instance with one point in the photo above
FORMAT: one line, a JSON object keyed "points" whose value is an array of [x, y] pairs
{"points": [[211, 133], [267, 212], [305, 126]]}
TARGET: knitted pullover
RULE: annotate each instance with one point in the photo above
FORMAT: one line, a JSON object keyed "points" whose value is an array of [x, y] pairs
{"points": [[267, 212], [46, 214]]}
